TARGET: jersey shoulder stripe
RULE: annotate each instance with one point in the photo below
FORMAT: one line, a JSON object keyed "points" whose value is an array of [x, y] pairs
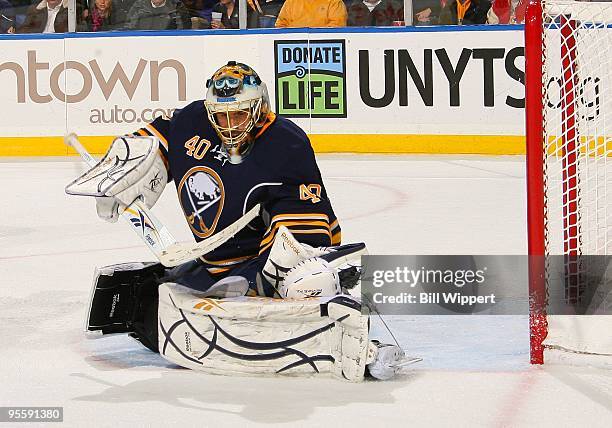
{"points": [[155, 132]]}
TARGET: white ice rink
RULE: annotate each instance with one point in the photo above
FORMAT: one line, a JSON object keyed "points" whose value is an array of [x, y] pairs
{"points": [[475, 370]]}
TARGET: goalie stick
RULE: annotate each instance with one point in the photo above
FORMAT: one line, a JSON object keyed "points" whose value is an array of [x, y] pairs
{"points": [[153, 232]]}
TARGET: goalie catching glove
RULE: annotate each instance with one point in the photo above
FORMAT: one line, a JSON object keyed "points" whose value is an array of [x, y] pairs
{"points": [[298, 271], [131, 169]]}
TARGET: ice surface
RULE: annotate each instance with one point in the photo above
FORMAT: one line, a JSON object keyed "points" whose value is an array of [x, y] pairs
{"points": [[475, 370]]}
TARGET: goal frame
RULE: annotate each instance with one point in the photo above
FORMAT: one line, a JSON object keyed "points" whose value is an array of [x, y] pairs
{"points": [[537, 149], [534, 128]]}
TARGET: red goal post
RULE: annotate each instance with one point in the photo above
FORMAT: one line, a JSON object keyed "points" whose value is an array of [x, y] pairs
{"points": [[535, 177]]}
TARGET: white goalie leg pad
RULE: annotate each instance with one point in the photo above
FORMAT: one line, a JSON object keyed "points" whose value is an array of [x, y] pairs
{"points": [[349, 343], [132, 168], [263, 336]]}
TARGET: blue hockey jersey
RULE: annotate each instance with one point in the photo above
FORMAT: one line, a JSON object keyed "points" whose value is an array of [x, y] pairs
{"points": [[280, 173]]}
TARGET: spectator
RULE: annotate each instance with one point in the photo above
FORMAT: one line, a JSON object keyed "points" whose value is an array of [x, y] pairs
{"points": [[229, 17], [265, 12], [507, 12], [7, 17], [426, 12], [375, 13], [100, 17], [465, 12], [312, 13], [121, 9], [20, 7], [207, 9], [48, 16], [193, 10], [82, 14], [154, 15]]}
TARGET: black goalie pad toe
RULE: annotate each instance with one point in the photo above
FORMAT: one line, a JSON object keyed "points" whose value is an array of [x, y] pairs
{"points": [[120, 295]]}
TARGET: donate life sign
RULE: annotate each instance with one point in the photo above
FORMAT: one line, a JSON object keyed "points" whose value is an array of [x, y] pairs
{"points": [[310, 78]]}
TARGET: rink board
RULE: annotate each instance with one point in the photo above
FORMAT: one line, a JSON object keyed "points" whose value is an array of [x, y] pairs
{"points": [[386, 90]]}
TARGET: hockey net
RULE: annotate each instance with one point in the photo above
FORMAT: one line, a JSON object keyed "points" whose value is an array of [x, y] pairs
{"points": [[569, 157]]}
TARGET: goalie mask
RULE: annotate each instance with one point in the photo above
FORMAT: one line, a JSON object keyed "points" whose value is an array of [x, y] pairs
{"points": [[237, 103]]}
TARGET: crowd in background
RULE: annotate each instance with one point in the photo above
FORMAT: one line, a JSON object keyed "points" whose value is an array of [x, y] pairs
{"points": [[51, 16]]}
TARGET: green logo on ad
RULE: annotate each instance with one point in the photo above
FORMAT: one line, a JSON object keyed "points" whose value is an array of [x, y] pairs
{"points": [[310, 78]]}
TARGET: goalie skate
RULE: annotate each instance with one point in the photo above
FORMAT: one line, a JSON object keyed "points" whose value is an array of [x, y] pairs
{"points": [[387, 360]]}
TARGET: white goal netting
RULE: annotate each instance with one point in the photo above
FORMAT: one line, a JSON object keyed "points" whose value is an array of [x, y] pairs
{"points": [[577, 144], [577, 83]]}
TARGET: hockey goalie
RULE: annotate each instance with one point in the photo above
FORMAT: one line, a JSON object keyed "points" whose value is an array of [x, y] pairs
{"points": [[272, 299]]}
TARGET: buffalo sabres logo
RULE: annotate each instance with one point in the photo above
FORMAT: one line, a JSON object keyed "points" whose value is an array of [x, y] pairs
{"points": [[202, 195]]}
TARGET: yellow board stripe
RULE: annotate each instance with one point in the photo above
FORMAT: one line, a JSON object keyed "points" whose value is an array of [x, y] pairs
{"points": [[328, 143], [50, 146], [338, 143], [600, 146], [412, 143]]}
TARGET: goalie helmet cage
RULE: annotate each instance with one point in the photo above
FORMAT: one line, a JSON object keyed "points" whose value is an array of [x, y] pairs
{"points": [[568, 88]]}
